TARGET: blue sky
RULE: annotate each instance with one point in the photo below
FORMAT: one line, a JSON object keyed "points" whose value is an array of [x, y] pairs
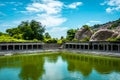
{"points": [[58, 15]]}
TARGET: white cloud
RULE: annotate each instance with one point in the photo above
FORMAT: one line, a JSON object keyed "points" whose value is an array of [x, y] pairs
{"points": [[48, 12], [75, 5], [114, 5], [109, 10], [47, 6], [50, 20]]}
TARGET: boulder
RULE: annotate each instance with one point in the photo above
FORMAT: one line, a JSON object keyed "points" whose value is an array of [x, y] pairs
{"points": [[103, 35], [83, 33]]}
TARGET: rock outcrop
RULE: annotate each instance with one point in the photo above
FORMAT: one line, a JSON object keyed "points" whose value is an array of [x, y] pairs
{"points": [[83, 33], [103, 35]]}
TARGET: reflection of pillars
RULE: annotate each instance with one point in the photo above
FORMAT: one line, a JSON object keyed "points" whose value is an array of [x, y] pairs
{"points": [[37, 46]]}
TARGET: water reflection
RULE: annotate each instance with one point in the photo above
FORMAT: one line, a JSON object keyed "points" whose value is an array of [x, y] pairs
{"points": [[60, 66], [31, 66], [85, 64]]}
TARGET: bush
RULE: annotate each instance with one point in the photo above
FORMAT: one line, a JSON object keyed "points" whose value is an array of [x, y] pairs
{"points": [[113, 39], [85, 39]]}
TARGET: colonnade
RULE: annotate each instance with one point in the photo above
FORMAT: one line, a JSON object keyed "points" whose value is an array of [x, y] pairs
{"points": [[20, 46], [100, 46]]}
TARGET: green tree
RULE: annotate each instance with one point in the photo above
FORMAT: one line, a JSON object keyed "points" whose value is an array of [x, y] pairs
{"points": [[71, 34], [47, 35], [86, 27], [29, 30]]}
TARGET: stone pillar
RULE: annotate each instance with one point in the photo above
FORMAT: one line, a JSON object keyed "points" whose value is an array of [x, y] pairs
{"points": [[107, 47], [18, 47], [37, 46], [22, 47], [98, 47], [83, 47], [76, 46], [26, 47], [32, 46], [93, 47], [118, 47], [0, 47], [103, 47], [79, 46], [88, 47], [7, 47], [111, 47], [13, 47]]}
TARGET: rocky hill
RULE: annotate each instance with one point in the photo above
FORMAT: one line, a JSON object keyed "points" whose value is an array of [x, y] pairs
{"points": [[112, 25], [100, 32]]}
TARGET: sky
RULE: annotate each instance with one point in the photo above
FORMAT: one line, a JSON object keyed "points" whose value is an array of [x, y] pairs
{"points": [[58, 16]]}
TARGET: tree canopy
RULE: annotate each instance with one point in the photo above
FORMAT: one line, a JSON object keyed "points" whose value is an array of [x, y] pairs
{"points": [[71, 34], [28, 30]]}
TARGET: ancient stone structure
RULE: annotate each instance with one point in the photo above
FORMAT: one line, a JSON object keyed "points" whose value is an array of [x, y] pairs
{"points": [[94, 46], [20, 46]]}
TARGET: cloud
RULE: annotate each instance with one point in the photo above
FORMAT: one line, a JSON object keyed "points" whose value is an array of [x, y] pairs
{"points": [[74, 5], [50, 20], [114, 5], [48, 12], [47, 6]]}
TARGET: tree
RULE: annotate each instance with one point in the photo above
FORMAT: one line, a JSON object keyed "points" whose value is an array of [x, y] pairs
{"points": [[71, 34], [86, 27], [29, 30], [47, 35]]}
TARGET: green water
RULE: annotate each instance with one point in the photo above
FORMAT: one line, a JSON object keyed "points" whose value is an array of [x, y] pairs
{"points": [[57, 66]]}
